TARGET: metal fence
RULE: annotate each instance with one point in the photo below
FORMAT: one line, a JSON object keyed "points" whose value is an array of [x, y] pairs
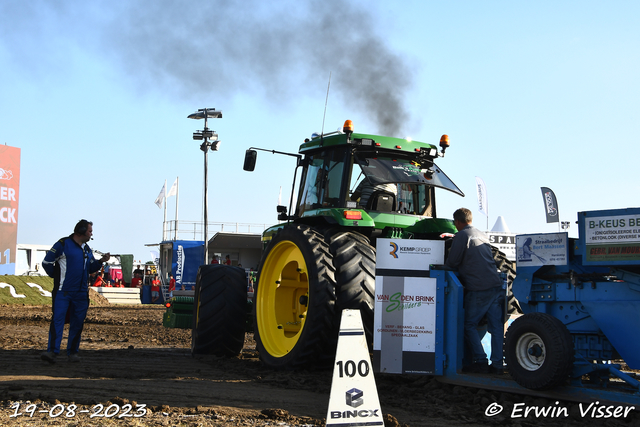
{"points": [[194, 230]]}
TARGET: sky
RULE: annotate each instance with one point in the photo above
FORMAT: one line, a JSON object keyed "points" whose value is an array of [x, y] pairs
{"points": [[96, 95]]}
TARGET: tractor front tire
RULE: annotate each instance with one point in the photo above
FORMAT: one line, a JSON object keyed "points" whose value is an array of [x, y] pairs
{"points": [[538, 351], [355, 262], [219, 311], [294, 300]]}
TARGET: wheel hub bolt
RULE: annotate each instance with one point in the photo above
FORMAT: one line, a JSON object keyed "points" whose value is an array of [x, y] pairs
{"points": [[535, 351]]}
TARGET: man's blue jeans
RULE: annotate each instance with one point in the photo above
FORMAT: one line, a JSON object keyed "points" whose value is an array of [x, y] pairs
{"points": [[477, 304]]}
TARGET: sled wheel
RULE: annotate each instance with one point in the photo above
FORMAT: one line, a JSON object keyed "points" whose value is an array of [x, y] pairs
{"points": [[539, 351], [219, 311], [294, 300], [355, 262]]}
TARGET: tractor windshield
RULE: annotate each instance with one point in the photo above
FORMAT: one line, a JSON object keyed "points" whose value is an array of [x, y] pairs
{"points": [[382, 170], [403, 185], [338, 178]]}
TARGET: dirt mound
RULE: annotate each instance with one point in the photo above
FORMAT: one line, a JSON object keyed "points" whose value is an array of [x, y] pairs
{"points": [[97, 299]]}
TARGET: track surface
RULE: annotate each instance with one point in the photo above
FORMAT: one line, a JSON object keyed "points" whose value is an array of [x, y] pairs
{"points": [[128, 357]]}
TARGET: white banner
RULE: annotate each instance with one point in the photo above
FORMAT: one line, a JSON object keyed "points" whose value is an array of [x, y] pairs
{"points": [[534, 250], [483, 205], [160, 197], [409, 254], [173, 189], [612, 229]]}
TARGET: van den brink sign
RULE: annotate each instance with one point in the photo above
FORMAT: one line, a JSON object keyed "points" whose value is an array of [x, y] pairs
{"points": [[405, 306]]}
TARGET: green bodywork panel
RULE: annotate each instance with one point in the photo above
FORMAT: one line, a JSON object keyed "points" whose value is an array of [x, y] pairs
{"points": [[410, 224]]}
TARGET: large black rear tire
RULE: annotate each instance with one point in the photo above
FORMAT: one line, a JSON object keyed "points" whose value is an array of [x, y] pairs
{"points": [[219, 311], [508, 267], [539, 351], [294, 300], [355, 262]]}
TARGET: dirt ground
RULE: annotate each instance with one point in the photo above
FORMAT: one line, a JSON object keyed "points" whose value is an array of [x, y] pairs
{"points": [[129, 359]]}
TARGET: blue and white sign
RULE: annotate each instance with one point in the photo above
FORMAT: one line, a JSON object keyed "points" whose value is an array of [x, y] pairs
{"points": [[534, 250]]}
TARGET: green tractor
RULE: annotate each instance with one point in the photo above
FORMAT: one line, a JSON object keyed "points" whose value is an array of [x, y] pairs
{"points": [[353, 189]]}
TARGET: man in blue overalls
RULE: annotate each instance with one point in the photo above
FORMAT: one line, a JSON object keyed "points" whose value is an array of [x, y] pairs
{"points": [[69, 262]]}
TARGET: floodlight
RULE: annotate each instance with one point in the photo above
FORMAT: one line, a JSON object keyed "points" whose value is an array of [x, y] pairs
{"points": [[210, 113]]}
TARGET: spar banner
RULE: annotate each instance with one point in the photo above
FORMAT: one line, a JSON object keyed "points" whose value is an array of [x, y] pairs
{"points": [[550, 205], [9, 196]]}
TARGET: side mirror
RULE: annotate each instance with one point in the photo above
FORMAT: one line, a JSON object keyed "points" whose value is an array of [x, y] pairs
{"points": [[250, 157], [282, 213]]}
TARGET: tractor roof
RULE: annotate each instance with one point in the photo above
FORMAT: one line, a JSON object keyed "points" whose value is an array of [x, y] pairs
{"points": [[360, 139]]}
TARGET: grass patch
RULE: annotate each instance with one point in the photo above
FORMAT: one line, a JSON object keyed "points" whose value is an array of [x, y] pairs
{"points": [[25, 294]]}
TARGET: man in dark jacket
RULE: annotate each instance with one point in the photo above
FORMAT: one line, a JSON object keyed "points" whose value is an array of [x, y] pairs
{"points": [[69, 262], [484, 295]]}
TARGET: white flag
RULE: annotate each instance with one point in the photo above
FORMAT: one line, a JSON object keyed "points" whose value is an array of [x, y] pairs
{"points": [[173, 189], [160, 197], [280, 197], [483, 205]]}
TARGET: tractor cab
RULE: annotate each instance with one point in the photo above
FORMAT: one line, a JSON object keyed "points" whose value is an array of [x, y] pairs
{"points": [[397, 182], [377, 181], [376, 185]]}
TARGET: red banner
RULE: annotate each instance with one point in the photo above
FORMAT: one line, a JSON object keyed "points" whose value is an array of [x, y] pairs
{"points": [[9, 197]]}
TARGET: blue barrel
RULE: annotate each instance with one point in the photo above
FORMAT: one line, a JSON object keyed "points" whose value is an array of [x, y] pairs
{"points": [[145, 295]]}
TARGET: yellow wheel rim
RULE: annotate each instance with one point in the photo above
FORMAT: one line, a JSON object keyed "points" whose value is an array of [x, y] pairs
{"points": [[282, 299]]}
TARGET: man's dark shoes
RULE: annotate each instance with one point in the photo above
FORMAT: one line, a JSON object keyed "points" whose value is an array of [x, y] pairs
{"points": [[49, 356], [476, 368], [495, 369]]}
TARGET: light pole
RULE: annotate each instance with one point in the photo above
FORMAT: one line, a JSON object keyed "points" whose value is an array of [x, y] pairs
{"points": [[210, 140]]}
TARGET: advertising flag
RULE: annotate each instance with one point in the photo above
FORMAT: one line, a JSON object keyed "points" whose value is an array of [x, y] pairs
{"points": [[160, 197], [173, 190], [550, 205], [483, 205]]}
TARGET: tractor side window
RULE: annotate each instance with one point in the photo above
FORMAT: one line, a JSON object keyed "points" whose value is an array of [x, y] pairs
{"points": [[322, 181], [311, 192], [406, 202], [333, 182], [415, 199]]}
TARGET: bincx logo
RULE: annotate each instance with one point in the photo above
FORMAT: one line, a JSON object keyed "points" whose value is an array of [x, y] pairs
{"points": [[354, 397]]}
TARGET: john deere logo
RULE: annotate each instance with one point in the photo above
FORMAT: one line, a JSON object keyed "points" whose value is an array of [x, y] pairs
{"points": [[394, 252]]}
